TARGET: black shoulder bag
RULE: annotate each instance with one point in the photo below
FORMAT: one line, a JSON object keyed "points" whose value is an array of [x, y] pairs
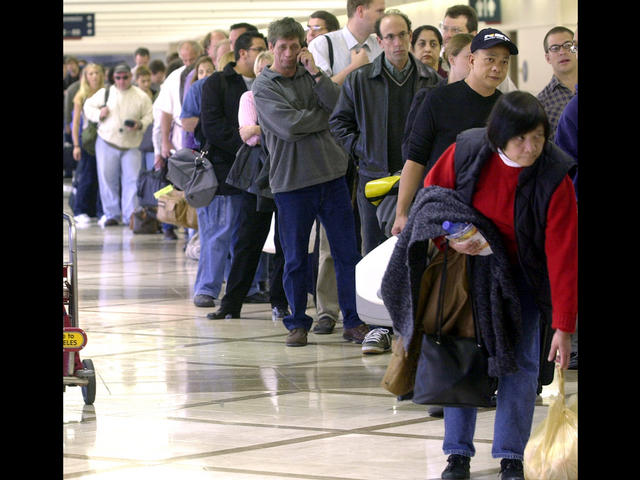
{"points": [[453, 371]]}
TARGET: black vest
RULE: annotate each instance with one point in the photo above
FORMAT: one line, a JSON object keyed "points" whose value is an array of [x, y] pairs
{"points": [[536, 185]]}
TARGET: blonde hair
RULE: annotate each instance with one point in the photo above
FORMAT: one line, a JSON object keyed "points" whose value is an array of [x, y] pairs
{"points": [[265, 56], [224, 59], [85, 90]]}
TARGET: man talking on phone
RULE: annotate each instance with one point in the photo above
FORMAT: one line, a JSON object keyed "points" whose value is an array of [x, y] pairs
{"points": [[294, 100]]}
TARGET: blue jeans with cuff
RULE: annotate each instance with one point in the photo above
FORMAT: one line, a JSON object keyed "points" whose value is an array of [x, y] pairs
{"points": [[516, 394], [297, 210]]}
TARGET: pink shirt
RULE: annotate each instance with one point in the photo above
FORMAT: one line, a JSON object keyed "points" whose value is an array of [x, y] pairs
{"points": [[248, 115]]}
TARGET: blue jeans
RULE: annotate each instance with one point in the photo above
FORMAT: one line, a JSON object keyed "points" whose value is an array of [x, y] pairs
{"points": [[516, 394], [217, 224], [87, 197], [297, 210], [117, 176]]}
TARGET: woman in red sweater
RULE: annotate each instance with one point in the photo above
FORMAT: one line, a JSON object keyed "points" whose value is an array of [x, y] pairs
{"points": [[521, 185]]}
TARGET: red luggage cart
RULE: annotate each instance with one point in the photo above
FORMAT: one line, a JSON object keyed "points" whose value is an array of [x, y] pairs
{"points": [[74, 371]]}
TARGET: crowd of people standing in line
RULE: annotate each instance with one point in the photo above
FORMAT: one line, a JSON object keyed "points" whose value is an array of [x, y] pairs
{"points": [[325, 107]]}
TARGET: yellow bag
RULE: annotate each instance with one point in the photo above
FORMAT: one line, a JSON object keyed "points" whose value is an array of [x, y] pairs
{"points": [[552, 450], [376, 190], [174, 209]]}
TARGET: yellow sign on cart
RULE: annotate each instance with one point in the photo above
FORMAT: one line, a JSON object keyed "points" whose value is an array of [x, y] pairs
{"points": [[73, 339]]}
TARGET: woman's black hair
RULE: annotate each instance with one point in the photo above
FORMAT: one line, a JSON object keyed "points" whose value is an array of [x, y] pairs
{"points": [[416, 33], [515, 113]]}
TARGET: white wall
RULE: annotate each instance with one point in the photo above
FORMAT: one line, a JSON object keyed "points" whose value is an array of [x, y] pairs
{"points": [[529, 19]]}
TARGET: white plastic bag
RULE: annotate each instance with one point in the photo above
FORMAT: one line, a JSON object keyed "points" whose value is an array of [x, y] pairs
{"points": [[552, 450]]}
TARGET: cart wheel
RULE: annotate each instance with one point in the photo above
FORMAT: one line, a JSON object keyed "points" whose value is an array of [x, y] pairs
{"points": [[89, 390]]}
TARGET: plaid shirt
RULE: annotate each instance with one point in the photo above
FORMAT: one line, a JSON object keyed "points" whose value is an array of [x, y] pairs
{"points": [[554, 97]]}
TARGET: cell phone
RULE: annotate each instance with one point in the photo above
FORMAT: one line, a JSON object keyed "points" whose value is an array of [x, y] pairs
{"points": [[130, 123]]}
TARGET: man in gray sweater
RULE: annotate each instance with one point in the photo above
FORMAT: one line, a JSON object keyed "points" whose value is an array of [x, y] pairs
{"points": [[294, 100]]}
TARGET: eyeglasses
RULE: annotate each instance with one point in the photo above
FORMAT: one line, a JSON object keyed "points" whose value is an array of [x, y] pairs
{"points": [[315, 28], [574, 48], [568, 46], [121, 77], [454, 30], [391, 37]]}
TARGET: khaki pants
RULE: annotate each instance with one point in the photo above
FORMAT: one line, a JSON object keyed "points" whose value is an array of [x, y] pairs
{"points": [[326, 284]]}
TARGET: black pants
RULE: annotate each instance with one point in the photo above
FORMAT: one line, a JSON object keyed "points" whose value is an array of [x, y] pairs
{"points": [[251, 236]]}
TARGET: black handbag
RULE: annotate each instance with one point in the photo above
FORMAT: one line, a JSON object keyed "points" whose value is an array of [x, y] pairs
{"points": [[149, 182], [453, 371]]}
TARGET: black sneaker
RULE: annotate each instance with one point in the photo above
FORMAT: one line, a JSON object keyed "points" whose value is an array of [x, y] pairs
{"points": [[437, 412], [511, 469], [458, 467]]}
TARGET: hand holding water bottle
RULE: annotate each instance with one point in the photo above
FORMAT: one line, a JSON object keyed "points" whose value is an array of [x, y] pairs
{"points": [[466, 238]]}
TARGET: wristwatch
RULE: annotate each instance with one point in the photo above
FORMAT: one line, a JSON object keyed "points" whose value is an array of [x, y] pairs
{"points": [[319, 74]]}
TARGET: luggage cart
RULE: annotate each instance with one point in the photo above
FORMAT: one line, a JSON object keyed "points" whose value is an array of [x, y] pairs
{"points": [[74, 371]]}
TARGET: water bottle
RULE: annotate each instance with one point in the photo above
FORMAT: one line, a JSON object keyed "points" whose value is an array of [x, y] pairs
{"points": [[461, 231]]}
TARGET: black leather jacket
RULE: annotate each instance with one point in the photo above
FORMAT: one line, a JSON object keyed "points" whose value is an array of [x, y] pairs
{"points": [[359, 119]]}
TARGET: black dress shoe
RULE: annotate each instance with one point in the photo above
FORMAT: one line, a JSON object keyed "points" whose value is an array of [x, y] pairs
{"points": [[221, 313], [458, 467], [258, 297]]}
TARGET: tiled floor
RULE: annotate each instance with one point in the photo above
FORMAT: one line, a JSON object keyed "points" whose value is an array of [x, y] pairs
{"points": [[183, 397]]}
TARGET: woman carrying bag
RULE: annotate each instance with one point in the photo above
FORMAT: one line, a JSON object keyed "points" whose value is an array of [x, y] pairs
{"points": [[86, 202], [514, 176]]}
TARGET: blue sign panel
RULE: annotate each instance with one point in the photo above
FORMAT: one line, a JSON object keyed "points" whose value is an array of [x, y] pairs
{"points": [[78, 25]]}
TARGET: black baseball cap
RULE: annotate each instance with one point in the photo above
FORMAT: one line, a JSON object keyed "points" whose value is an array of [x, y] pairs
{"points": [[122, 68], [490, 37]]}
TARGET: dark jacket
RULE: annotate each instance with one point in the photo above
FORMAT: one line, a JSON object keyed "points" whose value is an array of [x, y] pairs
{"points": [[359, 120], [219, 119], [536, 185], [496, 301]]}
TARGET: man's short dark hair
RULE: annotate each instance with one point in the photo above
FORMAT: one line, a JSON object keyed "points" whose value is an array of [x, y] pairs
{"points": [[390, 13], [248, 26], [469, 12], [244, 41], [142, 51], [553, 31], [329, 18], [515, 113], [157, 66], [286, 27]]}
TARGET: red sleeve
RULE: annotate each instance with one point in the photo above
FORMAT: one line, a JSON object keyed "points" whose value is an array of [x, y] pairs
{"points": [[561, 248], [443, 172]]}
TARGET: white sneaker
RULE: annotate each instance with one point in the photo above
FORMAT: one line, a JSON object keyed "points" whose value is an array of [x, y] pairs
{"points": [[102, 220], [82, 218], [377, 340]]}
